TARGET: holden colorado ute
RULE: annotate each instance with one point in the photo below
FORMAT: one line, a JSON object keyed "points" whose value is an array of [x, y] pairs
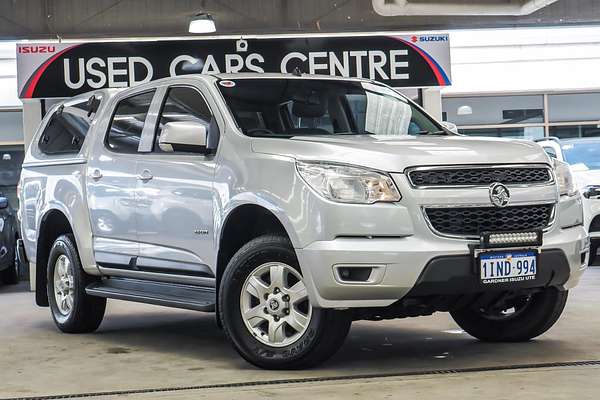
{"points": [[290, 206]]}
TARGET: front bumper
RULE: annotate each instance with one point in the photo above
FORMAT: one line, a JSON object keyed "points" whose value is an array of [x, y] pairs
{"points": [[426, 265]]}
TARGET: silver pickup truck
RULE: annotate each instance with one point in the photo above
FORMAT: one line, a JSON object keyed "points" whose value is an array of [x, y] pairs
{"points": [[291, 205]]}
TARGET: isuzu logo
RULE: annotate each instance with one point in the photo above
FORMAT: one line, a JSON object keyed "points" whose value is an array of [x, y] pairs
{"points": [[36, 49], [499, 195]]}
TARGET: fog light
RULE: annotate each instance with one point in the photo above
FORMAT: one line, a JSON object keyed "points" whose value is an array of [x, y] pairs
{"points": [[354, 274], [359, 273], [511, 239]]}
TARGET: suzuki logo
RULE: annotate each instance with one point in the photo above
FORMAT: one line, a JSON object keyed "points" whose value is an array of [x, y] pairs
{"points": [[428, 38], [36, 49], [499, 194]]}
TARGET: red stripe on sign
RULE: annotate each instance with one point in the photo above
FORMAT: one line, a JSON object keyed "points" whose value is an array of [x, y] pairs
{"points": [[440, 76], [32, 84]]}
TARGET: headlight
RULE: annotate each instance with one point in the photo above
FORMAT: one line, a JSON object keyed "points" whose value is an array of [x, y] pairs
{"points": [[345, 184], [566, 183]]}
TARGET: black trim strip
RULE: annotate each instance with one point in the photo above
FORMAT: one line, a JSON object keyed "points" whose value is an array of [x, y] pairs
{"points": [[512, 367], [203, 272]]}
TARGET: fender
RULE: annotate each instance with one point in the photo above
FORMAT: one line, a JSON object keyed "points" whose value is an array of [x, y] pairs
{"points": [[265, 201], [80, 224]]}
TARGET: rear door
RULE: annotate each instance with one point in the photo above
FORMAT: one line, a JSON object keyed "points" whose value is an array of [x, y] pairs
{"points": [[175, 195], [111, 182]]}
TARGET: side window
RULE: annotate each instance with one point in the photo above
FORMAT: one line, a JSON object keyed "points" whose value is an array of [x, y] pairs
{"points": [[66, 130], [184, 103], [127, 123]]}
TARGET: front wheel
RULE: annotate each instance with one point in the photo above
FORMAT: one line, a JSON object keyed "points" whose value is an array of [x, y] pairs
{"points": [[517, 319], [265, 310], [73, 310]]}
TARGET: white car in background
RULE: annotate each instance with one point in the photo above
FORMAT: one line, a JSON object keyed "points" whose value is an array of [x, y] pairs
{"points": [[583, 156]]}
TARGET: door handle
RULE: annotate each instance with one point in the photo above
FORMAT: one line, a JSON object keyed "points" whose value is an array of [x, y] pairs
{"points": [[145, 176], [96, 174]]}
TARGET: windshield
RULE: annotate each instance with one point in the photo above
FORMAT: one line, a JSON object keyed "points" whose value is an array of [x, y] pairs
{"points": [[292, 107], [584, 154]]}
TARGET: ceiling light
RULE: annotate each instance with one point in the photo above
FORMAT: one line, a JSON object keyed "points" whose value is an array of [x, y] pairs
{"points": [[464, 110], [202, 23]]}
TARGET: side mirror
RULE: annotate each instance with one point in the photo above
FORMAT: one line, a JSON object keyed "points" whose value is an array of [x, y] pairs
{"points": [[450, 126], [3, 203], [185, 136]]}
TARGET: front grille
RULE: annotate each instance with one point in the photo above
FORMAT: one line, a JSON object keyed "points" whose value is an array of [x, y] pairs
{"points": [[472, 221], [479, 176]]}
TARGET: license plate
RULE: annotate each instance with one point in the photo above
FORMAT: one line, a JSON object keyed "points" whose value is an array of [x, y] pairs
{"points": [[506, 267]]}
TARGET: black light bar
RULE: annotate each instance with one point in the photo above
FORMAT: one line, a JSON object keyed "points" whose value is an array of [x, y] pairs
{"points": [[511, 239]]}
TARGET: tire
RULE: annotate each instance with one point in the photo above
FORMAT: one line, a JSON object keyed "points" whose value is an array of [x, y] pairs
{"points": [[322, 335], [85, 312], [534, 316]]}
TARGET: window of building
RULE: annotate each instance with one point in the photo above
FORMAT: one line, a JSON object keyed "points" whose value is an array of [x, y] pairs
{"points": [[568, 115], [66, 130], [494, 110], [575, 131], [128, 123], [574, 107]]}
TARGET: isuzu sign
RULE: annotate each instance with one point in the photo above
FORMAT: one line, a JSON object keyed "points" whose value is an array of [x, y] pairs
{"points": [[66, 69]]}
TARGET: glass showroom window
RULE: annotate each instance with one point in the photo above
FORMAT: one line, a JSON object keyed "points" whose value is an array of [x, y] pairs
{"points": [[575, 131], [518, 116], [574, 107], [494, 110], [567, 115], [574, 115]]}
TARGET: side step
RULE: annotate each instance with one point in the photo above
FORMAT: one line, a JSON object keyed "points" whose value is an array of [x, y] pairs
{"points": [[158, 293]]}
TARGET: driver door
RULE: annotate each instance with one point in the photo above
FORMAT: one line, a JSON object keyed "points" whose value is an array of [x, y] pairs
{"points": [[175, 196]]}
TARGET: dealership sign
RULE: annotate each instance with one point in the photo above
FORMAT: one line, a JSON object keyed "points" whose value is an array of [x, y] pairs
{"points": [[66, 69]]}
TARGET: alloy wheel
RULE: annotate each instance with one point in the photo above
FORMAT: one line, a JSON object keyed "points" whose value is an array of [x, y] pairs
{"points": [[274, 304], [64, 285]]}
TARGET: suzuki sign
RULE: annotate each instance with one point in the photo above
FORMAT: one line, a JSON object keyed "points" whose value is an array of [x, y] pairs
{"points": [[66, 69]]}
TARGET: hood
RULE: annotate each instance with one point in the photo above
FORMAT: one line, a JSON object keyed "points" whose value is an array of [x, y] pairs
{"points": [[394, 154], [590, 177]]}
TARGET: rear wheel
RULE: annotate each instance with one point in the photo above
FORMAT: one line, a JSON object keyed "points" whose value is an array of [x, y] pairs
{"points": [[517, 319], [265, 310], [73, 310]]}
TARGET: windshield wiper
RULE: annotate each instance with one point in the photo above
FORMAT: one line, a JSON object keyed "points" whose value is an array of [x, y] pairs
{"points": [[434, 133]]}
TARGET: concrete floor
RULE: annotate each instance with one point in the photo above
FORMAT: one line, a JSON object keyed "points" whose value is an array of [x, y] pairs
{"points": [[147, 347]]}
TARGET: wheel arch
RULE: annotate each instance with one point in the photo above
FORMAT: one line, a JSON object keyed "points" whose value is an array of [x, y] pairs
{"points": [[53, 224], [242, 224]]}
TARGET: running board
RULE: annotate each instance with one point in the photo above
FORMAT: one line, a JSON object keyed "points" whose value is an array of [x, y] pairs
{"points": [[157, 293]]}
